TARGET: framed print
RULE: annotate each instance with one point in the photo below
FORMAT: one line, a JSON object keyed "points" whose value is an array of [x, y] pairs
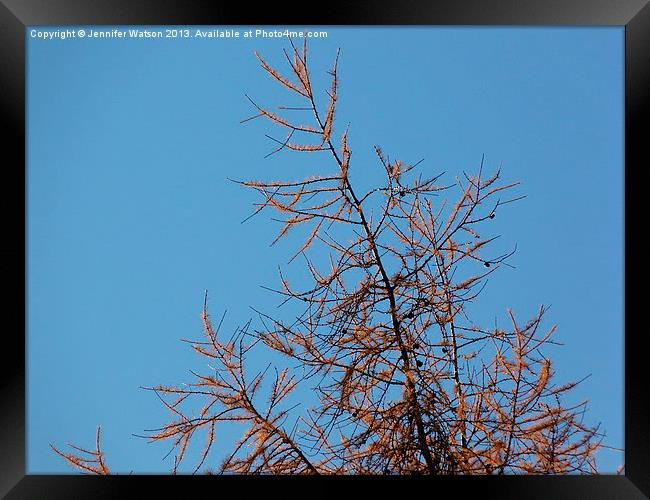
{"points": [[381, 245]]}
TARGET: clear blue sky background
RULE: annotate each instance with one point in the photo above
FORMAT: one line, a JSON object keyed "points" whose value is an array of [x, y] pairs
{"points": [[130, 216]]}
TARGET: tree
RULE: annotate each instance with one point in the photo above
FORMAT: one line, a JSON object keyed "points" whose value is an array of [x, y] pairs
{"points": [[407, 382]]}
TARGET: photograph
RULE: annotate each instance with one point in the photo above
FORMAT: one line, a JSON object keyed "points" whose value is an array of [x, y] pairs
{"points": [[325, 250]]}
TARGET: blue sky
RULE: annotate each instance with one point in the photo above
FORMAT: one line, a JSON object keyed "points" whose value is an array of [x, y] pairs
{"points": [[131, 218]]}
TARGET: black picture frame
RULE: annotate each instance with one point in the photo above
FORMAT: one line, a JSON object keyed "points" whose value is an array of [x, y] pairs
{"points": [[15, 15]]}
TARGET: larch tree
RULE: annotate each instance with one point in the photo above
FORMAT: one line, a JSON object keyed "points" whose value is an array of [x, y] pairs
{"points": [[405, 382]]}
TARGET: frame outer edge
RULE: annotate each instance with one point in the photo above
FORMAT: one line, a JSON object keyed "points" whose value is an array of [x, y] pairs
{"points": [[12, 382], [637, 97]]}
